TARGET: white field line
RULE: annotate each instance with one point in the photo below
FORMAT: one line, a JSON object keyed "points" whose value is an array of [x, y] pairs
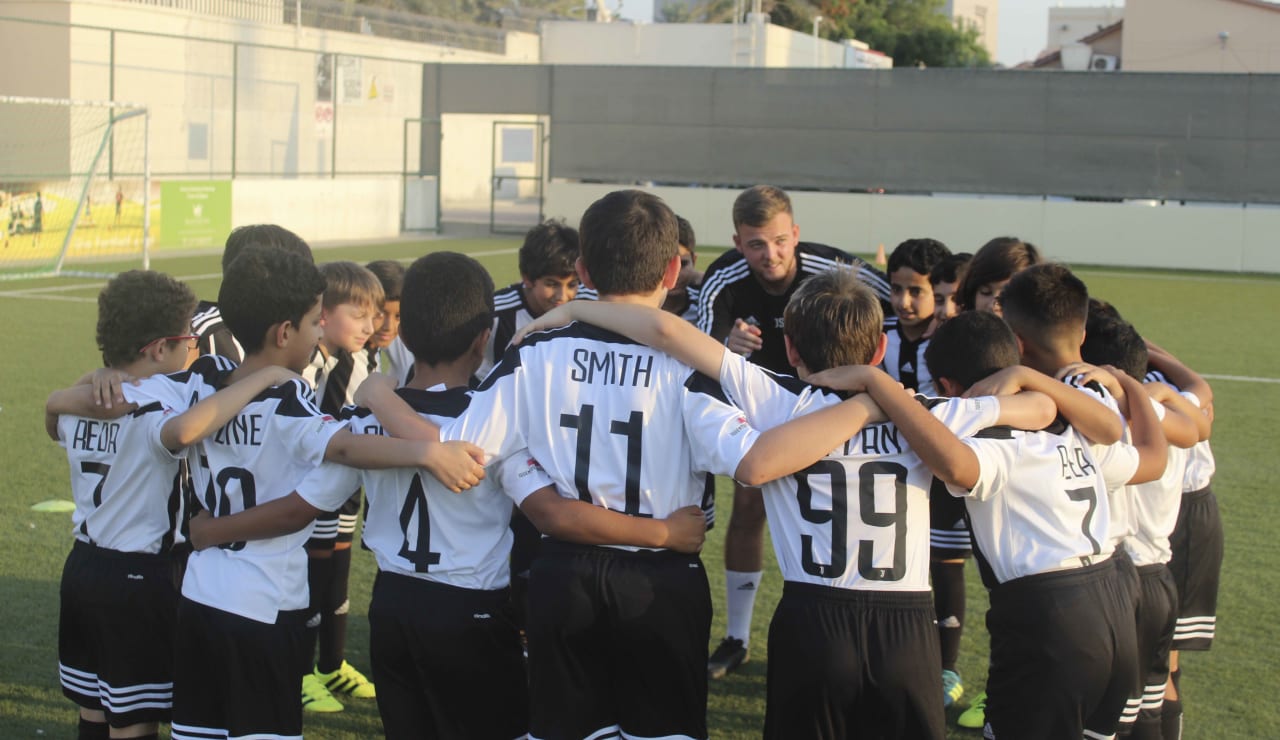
{"points": [[1241, 378]]}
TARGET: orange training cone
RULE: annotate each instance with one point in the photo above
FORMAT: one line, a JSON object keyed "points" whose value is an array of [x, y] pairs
{"points": [[880, 258]]}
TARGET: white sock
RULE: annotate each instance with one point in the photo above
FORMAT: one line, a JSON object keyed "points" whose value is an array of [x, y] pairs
{"points": [[741, 591]]}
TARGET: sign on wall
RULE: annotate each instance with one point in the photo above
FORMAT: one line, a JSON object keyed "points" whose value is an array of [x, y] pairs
{"points": [[195, 213]]}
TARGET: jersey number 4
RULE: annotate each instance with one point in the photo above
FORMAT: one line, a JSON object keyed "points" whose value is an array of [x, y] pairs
{"points": [[837, 517], [419, 551]]}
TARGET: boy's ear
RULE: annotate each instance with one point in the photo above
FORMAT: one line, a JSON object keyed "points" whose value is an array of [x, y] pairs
{"points": [[583, 274], [672, 274], [793, 357], [950, 388], [281, 333], [481, 342], [881, 346]]}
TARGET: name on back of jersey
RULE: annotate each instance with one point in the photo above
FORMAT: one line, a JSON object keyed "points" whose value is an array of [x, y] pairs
{"points": [[877, 439], [96, 436], [1075, 464], [611, 368], [245, 429]]}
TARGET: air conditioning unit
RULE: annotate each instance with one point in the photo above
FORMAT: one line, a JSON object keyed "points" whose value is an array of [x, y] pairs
{"points": [[1104, 63]]}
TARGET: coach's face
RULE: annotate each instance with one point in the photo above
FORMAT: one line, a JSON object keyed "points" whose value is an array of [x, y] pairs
{"points": [[770, 251]]}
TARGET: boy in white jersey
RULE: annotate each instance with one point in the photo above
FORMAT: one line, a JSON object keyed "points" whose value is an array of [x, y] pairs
{"points": [[447, 661], [241, 616], [118, 594], [1063, 653], [618, 637]]}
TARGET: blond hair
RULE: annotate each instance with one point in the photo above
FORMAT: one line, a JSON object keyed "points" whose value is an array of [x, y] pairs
{"points": [[348, 282]]}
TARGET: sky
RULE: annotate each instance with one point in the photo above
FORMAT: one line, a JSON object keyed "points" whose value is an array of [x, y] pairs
{"points": [[1024, 26]]}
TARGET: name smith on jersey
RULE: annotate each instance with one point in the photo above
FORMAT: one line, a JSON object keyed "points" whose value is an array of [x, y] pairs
{"points": [[611, 368]]}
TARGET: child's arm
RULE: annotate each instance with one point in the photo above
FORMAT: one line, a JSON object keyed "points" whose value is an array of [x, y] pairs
{"points": [[273, 519], [1179, 374], [1089, 416], [211, 414], [79, 400], [378, 394], [454, 464], [804, 440], [1153, 449], [650, 326], [587, 524], [1184, 425]]}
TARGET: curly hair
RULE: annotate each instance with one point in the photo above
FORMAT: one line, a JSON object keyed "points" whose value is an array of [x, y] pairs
{"points": [[138, 307]]}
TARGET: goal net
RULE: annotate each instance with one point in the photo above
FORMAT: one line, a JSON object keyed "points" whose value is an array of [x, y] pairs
{"points": [[75, 186]]}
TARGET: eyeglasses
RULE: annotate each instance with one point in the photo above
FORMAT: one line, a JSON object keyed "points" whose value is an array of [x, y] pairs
{"points": [[190, 339]]}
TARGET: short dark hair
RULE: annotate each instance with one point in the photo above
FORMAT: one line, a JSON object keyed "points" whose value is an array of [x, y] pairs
{"points": [[970, 347], [687, 238], [138, 307], [446, 303], [1110, 340], [628, 237], [1046, 304], [833, 319], [757, 205], [919, 254], [263, 234], [391, 274], [263, 287], [550, 248], [997, 261], [951, 269]]}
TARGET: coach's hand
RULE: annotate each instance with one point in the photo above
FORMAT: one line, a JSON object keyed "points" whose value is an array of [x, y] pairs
{"points": [[686, 530], [744, 338]]}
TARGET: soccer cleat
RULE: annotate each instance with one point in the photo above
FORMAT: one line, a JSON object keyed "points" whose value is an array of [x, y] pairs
{"points": [[316, 698], [975, 717], [952, 689], [728, 655], [347, 680]]}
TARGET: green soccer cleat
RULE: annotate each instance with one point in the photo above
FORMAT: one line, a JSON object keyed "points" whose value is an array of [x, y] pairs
{"points": [[316, 698], [952, 688], [975, 717], [347, 680]]}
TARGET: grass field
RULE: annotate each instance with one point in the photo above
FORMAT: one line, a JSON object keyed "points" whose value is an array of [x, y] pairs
{"points": [[1216, 323]]}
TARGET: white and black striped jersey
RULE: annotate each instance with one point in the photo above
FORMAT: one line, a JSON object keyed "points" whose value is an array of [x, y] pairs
{"points": [[335, 377], [416, 527], [214, 336], [858, 518], [904, 359], [1122, 521], [510, 314], [1040, 503], [730, 292], [396, 360], [1154, 508], [263, 454], [612, 421], [1200, 465]]}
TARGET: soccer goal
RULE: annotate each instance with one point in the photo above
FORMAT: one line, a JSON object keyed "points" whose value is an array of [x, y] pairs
{"points": [[75, 186]]}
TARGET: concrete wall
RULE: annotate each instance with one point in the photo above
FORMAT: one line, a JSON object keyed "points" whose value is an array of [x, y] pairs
{"points": [[1202, 237], [685, 44], [1183, 36], [321, 210]]}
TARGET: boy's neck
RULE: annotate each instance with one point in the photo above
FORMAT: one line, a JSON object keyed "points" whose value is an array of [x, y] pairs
{"points": [[456, 374], [1048, 360], [142, 367], [652, 299], [253, 363], [914, 331]]}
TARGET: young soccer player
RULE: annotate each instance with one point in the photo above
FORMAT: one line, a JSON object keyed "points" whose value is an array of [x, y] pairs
{"points": [[741, 302], [393, 358], [990, 270], [214, 336], [1061, 621], [241, 618], [682, 300], [446, 662], [911, 295], [618, 637], [353, 299], [945, 278], [118, 594]]}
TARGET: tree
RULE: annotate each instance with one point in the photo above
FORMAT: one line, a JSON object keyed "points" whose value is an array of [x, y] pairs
{"points": [[913, 32]]}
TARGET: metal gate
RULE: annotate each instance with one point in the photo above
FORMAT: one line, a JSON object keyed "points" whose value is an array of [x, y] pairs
{"points": [[515, 196]]}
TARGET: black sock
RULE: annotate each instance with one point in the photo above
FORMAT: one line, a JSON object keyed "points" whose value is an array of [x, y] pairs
{"points": [[948, 603], [333, 617], [93, 730], [319, 578]]}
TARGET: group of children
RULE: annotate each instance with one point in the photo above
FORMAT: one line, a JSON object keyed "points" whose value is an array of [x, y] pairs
{"points": [[598, 424]]}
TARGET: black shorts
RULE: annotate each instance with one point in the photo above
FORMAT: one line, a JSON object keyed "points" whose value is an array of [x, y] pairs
{"points": [[235, 676], [115, 633], [1063, 650], [1196, 565], [846, 663], [949, 537], [333, 527], [617, 642], [1157, 607], [446, 661]]}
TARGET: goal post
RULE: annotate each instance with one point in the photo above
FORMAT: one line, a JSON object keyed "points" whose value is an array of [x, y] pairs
{"points": [[75, 186]]}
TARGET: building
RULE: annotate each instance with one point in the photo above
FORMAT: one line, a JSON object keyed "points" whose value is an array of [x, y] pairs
{"points": [[1068, 25], [1100, 51], [982, 15], [1202, 36]]}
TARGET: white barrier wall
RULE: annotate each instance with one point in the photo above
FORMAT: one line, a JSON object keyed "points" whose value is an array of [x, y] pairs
{"points": [[321, 210], [1199, 236]]}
